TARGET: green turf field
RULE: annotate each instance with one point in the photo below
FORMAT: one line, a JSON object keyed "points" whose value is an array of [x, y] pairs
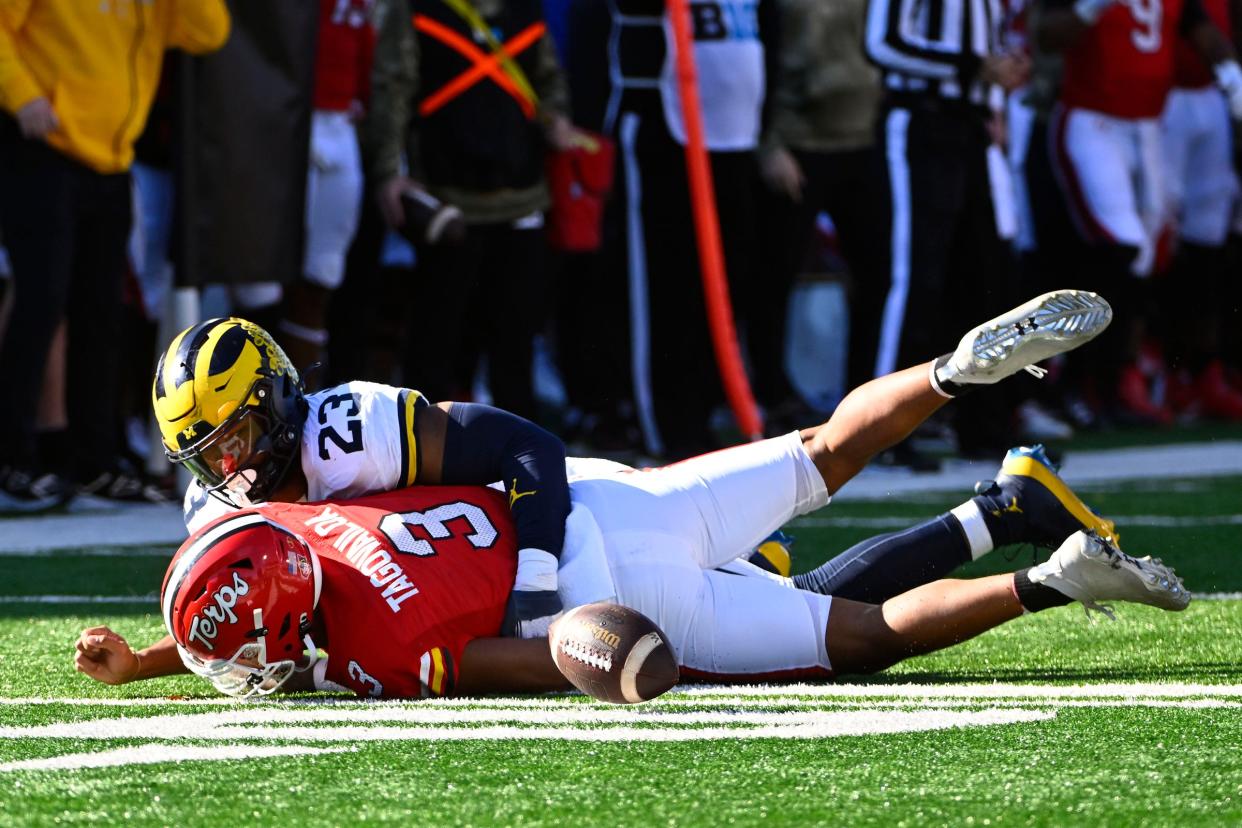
{"points": [[1054, 719]]}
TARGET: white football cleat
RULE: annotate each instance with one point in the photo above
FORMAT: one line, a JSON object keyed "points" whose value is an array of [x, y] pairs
{"points": [[1044, 327], [1090, 569]]}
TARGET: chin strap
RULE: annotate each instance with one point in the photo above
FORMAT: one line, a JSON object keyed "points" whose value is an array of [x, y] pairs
{"points": [[313, 658]]}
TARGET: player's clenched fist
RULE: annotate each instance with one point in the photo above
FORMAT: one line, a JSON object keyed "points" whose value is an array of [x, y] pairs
{"points": [[105, 656]]}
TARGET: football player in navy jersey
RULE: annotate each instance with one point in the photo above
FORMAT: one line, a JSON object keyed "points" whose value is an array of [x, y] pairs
{"points": [[231, 409]]}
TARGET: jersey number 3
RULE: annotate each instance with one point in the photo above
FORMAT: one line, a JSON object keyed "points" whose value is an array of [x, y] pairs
{"points": [[353, 425], [397, 527]]}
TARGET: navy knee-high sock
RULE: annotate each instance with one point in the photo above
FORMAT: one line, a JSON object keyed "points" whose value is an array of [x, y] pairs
{"points": [[887, 565]]}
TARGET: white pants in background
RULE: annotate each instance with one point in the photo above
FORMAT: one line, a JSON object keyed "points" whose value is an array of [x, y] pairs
{"points": [[333, 197], [1112, 172], [1198, 148]]}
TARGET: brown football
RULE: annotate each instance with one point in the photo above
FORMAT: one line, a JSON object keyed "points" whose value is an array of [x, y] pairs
{"points": [[613, 653]]}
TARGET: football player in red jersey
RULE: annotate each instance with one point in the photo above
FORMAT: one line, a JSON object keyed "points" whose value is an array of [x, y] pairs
{"points": [[405, 591], [1119, 69], [1203, 191], [430, 569]]}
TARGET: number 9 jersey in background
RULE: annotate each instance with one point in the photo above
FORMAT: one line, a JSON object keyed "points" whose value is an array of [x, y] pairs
{"points": [[1123, 65], [358, 438], [409, 578]]}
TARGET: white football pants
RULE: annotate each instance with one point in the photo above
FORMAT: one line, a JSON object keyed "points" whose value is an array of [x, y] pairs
{"points": [[1112, 173], [664, 531], [1198, 146]]}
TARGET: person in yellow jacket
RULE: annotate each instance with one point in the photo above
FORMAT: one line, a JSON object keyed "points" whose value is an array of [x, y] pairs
{"points": [[76, 82]]}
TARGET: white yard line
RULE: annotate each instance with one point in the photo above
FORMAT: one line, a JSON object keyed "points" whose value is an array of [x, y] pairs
{"points": [[154, 753], [899, 522], [729, 695], [800, 712], [358, 725]]}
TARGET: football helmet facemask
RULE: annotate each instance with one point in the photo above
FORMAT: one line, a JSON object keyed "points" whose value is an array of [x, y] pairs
{"points": [[238, 599], [230, 408]]}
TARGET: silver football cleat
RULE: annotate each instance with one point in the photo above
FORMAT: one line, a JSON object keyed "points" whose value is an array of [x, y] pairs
{"points": [[1090, 569], [1044, 327]]}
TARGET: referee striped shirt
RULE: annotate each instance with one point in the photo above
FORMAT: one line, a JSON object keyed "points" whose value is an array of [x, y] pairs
{"points": [[935, 47]]}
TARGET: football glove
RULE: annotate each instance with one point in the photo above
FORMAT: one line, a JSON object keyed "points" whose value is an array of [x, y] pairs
{"points": [[534, 603]]}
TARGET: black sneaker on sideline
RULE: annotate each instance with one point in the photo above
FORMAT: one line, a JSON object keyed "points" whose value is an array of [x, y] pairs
{"points": [[22, 490], [125, 487], [904, 454]]}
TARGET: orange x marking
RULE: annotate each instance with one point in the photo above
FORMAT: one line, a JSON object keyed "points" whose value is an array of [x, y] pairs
{"points": [[485, 65]]}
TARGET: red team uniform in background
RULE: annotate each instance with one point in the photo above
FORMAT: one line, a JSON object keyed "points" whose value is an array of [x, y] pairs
{"points": [[1198, 143], [1123, 64], [345, 49], [409, 578], [1107, 134]]}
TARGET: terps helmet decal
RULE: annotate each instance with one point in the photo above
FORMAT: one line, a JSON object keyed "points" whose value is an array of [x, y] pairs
{"points": [[238, 599]]}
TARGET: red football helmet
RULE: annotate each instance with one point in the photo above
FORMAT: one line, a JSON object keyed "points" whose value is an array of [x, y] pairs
{"points": [[238, 599]]}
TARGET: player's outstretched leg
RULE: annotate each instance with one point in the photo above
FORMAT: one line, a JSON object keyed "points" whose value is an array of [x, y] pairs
{"points": [[864, 638], [886, 410], [1027, 503]]}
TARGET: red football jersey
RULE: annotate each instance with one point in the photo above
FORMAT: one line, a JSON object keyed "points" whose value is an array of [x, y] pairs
{"points": [[1190, 71], [345, 49], [409, 578], [1123, 65]]}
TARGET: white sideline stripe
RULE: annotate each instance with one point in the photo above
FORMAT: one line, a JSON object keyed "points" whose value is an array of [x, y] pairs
{"points": [[1144, 690], [231, 726], [151, 598], [147, 524], [1220, 457], [129, 525], [896, 522], [154, 753], [154, 599]]}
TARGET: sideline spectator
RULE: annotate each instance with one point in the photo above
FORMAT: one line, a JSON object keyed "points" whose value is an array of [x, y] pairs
{"points": [[346, 46], [76, 83], [816, 156], [474, 138]]}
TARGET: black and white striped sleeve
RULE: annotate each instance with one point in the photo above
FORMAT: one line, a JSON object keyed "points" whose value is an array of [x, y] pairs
{"points": [[922, 38]]}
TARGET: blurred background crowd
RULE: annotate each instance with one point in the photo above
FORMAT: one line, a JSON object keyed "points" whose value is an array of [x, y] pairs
{"points": [[488, 199]]}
